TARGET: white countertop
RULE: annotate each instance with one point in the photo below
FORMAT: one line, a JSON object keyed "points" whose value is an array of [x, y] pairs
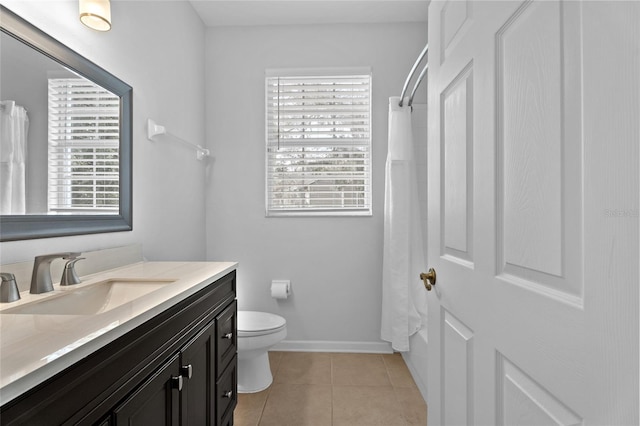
{"points": [[36, 347]]}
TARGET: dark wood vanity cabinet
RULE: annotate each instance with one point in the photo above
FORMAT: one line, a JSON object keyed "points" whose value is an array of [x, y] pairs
{"points": [[155, 402], [179, 368], [194, 387]]}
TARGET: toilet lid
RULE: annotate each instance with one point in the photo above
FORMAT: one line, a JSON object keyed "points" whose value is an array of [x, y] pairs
{"points": [[252, 321]]}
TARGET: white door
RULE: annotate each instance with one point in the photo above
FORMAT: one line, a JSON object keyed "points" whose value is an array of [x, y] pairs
{"points": [[533, 212]]}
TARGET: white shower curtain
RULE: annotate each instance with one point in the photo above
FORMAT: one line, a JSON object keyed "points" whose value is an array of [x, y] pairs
{"points": [[403, 296], [14, 125]]}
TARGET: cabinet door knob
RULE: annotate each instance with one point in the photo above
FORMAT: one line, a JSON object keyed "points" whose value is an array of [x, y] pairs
{"points": [[187, 371], [228, 394], [176, 382], [228, 336]]}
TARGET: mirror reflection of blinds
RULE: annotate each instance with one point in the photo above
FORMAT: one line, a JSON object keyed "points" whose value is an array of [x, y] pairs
{"points": [[83, 144], [318, 144]]}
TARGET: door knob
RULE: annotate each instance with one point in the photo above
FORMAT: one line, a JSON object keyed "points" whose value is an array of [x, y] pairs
{"points": [[429, 279]]}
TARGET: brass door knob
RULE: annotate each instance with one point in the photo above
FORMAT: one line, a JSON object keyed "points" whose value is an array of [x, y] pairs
{"points": [[429, 279]]}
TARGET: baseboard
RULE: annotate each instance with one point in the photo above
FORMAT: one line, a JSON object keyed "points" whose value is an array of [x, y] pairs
{"points": [[333, 346]]}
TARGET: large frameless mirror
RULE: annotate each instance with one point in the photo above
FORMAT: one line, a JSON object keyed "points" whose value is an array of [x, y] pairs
{"points": [[65, 139]]}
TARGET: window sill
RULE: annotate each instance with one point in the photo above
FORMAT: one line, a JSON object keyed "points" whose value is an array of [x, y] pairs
{"points": [[320, 213]]}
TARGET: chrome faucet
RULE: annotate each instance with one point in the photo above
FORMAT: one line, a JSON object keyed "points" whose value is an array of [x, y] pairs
{"points": [[41, 276]]}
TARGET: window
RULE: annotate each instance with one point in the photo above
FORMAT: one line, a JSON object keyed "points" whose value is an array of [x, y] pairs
{"points": [[83, 155], [318, 143]]}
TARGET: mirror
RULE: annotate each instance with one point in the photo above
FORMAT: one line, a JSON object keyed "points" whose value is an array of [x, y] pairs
{"points": [[65, 139]]}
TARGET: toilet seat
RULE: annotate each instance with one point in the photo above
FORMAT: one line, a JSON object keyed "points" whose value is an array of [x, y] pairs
{"points": [[252, 323]]}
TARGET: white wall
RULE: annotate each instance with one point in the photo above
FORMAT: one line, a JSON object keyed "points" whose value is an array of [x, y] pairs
{"points": [[157, 48], [334, 264]]}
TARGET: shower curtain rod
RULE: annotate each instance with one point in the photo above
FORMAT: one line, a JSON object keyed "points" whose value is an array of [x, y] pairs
{"points": [[410, 76]]}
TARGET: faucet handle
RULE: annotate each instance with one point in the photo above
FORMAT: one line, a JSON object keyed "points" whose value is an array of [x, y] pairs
{"points": [[8, 288], [7, 276], [71, 256], [69, 275], [52, 256]]}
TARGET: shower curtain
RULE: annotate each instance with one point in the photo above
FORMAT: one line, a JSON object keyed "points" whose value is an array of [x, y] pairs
{"points": [[14, 125], [403, 297]]}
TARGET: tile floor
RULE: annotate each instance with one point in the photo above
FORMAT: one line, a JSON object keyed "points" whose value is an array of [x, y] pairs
{"points": [[334, 389]]}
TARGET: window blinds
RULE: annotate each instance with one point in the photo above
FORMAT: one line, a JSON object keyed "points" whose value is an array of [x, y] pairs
{"points": [[318, 145], [83, 146]]}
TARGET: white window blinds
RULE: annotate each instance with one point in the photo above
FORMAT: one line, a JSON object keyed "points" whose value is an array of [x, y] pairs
{"points": [[83, 147], [318, 145]]}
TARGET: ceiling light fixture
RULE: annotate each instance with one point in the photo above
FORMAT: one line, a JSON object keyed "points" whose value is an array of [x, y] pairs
{"points": [[96, 14]]}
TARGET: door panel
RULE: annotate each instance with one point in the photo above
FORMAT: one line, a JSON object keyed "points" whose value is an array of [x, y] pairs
{"points": [[457, 167], [539, 150], [522, 401], [455, 17], [529, 112], [457, 371]]}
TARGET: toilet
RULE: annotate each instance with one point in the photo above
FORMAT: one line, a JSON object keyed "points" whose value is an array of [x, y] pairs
{"points": [[257, 332]]}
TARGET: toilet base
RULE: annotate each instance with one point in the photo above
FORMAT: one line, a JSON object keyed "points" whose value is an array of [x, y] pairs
{"points": [[254, 373]]}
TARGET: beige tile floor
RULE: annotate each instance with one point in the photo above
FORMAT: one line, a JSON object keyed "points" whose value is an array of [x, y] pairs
{"points": [[334, 389]]}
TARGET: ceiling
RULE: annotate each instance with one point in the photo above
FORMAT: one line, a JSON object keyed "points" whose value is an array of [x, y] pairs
{"points": [[301, 12]]}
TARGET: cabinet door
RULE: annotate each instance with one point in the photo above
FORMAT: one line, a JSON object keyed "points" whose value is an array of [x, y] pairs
{"points": [[226, 394], [156, 401], [227, 421], [197, 369], [226, 337]]}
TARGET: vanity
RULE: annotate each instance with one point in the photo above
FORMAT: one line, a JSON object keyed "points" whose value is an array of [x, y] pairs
{"points": [[164, 356]]}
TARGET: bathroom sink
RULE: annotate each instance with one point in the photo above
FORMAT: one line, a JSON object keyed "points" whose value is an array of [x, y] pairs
{"points": [[92, 299]]}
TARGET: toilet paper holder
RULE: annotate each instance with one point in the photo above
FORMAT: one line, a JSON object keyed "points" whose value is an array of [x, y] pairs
{"points": [[280, 289]]}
